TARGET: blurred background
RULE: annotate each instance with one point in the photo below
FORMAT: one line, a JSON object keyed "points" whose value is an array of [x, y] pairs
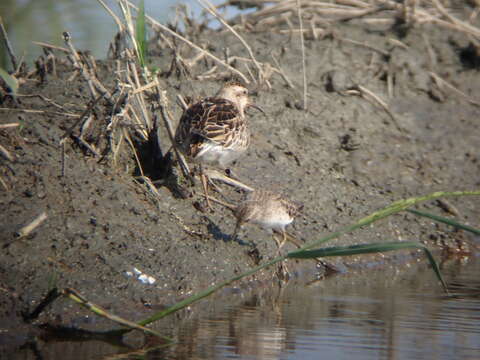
{"points": [[89, 24]]}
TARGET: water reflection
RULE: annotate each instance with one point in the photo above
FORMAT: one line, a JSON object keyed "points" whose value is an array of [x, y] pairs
{"points": [[388, 314], [397, 315]]}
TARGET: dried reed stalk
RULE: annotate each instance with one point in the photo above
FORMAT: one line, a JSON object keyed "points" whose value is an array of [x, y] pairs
{"points": [[164, 28], [210, 8], [412, 11]]}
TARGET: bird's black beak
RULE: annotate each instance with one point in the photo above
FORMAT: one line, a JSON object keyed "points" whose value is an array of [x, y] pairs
{"points": [[255, 106]]}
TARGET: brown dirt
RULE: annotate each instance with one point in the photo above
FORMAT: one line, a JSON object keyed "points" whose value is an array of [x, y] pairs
{"points": [[343, 158]]}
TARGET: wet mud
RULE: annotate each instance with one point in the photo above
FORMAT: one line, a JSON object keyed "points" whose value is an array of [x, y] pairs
{"points": [[343, 157]]}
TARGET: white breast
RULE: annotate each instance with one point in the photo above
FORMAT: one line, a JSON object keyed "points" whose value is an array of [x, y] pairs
{"points": [[216, 154], [276, 222]]}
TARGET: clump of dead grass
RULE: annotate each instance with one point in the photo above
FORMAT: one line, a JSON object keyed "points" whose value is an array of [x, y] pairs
{"points": [[317, 19], [321, 16]]}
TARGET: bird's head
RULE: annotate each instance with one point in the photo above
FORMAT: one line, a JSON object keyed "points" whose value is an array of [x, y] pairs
{"points": [[238, 94]]}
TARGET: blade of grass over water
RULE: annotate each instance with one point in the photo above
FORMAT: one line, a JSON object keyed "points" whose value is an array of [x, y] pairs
{"points": [[444, 220], [141, 34], [368, 249], [394, 208], [355, 249]]}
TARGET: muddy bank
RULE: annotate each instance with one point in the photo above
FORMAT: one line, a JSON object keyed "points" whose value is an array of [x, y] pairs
{"points": [[343, 157]]}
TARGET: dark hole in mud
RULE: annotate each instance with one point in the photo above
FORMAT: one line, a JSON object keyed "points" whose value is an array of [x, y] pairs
{"points": [[153, 162], [470, 56], [157, 165], [400, 28]]}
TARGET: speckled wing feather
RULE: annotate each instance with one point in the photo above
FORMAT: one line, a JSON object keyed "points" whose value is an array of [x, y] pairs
{"points": [[246, 209], [211, 119], [293, 207]]}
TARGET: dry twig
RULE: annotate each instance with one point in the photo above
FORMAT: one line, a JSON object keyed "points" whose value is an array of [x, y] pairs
{"points": [[87, 111], [162, 95], [75, 296], [6, 154], [216, 175], [92, 81], [362, 91], [27, 229], [9, 125], [32, 111], [191, 44], [209, 7], [441, 82], [302, 46], [53, 47]]}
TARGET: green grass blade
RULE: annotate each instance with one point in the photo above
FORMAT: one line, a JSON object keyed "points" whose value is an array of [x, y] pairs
{"points": [[444, 220], [368, 249], [378, 215], [435, 268], [353, 249], [394, 208], [141, 34], [10, 80], [194, 298]]}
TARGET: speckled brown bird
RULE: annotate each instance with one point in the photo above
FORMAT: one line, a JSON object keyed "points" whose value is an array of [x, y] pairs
{"points": [[215, 130], [273, 212]]}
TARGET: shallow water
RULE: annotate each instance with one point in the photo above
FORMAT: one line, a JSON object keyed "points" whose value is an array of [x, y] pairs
{"points": [[89, 24], [395, 313], [390, 315]]}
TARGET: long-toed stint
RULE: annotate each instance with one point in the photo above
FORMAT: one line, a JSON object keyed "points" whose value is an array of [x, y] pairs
{"points": [[215, 130], [273, 212]]}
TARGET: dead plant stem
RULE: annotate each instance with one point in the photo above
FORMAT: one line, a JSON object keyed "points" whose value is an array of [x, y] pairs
{"points": [[92, 81], [75, 296], [13, 58], [87, 112], [27, 229], [210, 8], [162, 95], [302, 45], [188, 42]]}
